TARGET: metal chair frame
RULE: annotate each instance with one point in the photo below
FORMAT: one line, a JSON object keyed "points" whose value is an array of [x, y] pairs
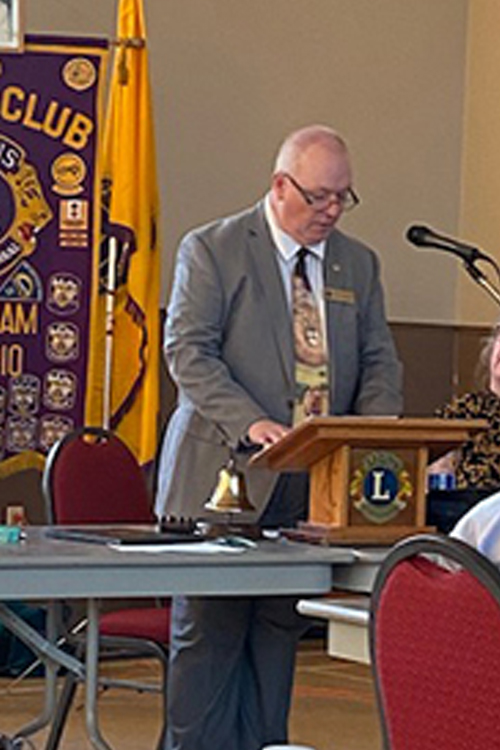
{"points": [[113, 647], [442, 551]]}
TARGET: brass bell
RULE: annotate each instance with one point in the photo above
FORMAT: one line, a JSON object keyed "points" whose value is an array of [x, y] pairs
{"points": [[230, 493]]}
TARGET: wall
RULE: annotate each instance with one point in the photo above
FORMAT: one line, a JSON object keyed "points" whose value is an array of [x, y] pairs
{"points": [[440, 361], [479, 211], [232, 78]]}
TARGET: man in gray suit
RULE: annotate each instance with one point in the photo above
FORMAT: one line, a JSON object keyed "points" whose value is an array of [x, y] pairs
{"points": [[230, 348]]}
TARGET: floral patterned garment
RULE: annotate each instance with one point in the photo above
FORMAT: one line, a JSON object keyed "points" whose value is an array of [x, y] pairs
{"points": [[478, 462]]}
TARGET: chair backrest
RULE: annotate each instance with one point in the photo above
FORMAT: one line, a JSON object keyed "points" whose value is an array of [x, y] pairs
{"points": [[435, 646], [91, 476]]}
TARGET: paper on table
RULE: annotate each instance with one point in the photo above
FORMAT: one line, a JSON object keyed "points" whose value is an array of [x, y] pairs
{"points": [[198, 548]]}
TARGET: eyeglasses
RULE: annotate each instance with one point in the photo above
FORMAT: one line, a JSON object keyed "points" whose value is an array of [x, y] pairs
{"points": [[346, 199]]}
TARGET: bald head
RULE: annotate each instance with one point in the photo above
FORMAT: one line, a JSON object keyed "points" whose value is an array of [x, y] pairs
{"points": [[298, 143], [313, 163]]}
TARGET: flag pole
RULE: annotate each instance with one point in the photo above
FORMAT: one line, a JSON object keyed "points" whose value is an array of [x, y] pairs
{"points": [[125, 370], [109, 329]]}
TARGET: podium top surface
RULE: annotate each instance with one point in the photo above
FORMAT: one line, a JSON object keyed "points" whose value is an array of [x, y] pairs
{"points": [[318, 437]]}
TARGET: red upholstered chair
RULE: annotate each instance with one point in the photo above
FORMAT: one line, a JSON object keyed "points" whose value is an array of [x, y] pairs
{"points": [[91, 477], [435, 646]]}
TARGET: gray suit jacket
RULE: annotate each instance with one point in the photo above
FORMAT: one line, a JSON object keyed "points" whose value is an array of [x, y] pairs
{"points": [[229, 346]]}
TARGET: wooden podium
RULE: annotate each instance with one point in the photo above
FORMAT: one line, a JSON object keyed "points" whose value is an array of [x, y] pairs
{"points": [[367, 474]]}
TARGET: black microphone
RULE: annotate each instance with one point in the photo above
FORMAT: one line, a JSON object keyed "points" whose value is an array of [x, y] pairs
{"points": [[425, 237]]}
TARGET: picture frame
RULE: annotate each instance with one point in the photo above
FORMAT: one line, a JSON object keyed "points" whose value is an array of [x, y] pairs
{"points": [[11, 25]]}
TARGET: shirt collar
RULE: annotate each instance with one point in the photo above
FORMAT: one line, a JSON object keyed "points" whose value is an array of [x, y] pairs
{"points": [[286, 245]]}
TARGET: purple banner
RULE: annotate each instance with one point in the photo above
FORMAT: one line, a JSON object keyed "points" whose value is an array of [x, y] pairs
{"points": [[49, 236]]}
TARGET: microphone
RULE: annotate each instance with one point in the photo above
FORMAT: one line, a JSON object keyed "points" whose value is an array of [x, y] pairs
{"points": [[425, 237]]}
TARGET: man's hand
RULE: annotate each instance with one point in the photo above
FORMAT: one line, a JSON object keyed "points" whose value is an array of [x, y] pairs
{"points": [[267, 432]]}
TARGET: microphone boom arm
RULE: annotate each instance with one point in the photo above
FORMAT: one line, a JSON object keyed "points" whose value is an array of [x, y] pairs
{"points": [[481, 279]]}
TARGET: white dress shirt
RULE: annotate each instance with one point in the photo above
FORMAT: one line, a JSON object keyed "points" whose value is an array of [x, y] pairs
{"points": [[287, 250], [480, 527]]}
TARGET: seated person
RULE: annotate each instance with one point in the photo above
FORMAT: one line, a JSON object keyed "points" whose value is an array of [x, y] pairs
{"points": [[477, 462], [480, 527]]}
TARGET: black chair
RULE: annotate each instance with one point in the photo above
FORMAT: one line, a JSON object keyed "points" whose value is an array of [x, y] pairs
{"points": [[435, 646]]}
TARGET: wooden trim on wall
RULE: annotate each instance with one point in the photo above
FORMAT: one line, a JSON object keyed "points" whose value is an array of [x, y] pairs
{"points": [[439, 362]]}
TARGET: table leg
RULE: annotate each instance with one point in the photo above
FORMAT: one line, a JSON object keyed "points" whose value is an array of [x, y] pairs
{"points": [[92, 676], [50, 684], [52, 656]]}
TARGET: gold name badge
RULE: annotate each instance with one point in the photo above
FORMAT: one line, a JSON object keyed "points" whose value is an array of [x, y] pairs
{"points": [[339, 295]]}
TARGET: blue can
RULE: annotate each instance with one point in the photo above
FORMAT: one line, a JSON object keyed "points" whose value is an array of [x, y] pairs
{"points": [[442, 481]]}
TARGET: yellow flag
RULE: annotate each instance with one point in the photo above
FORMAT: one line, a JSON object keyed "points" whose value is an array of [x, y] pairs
{"points": [[130, 214]]}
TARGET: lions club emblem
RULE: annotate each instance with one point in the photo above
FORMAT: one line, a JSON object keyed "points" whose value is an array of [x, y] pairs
{"points": [[23, 208], [380, 488]]}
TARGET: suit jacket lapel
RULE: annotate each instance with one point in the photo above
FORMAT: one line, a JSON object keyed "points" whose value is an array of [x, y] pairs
{"points": [[263, 256]]}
